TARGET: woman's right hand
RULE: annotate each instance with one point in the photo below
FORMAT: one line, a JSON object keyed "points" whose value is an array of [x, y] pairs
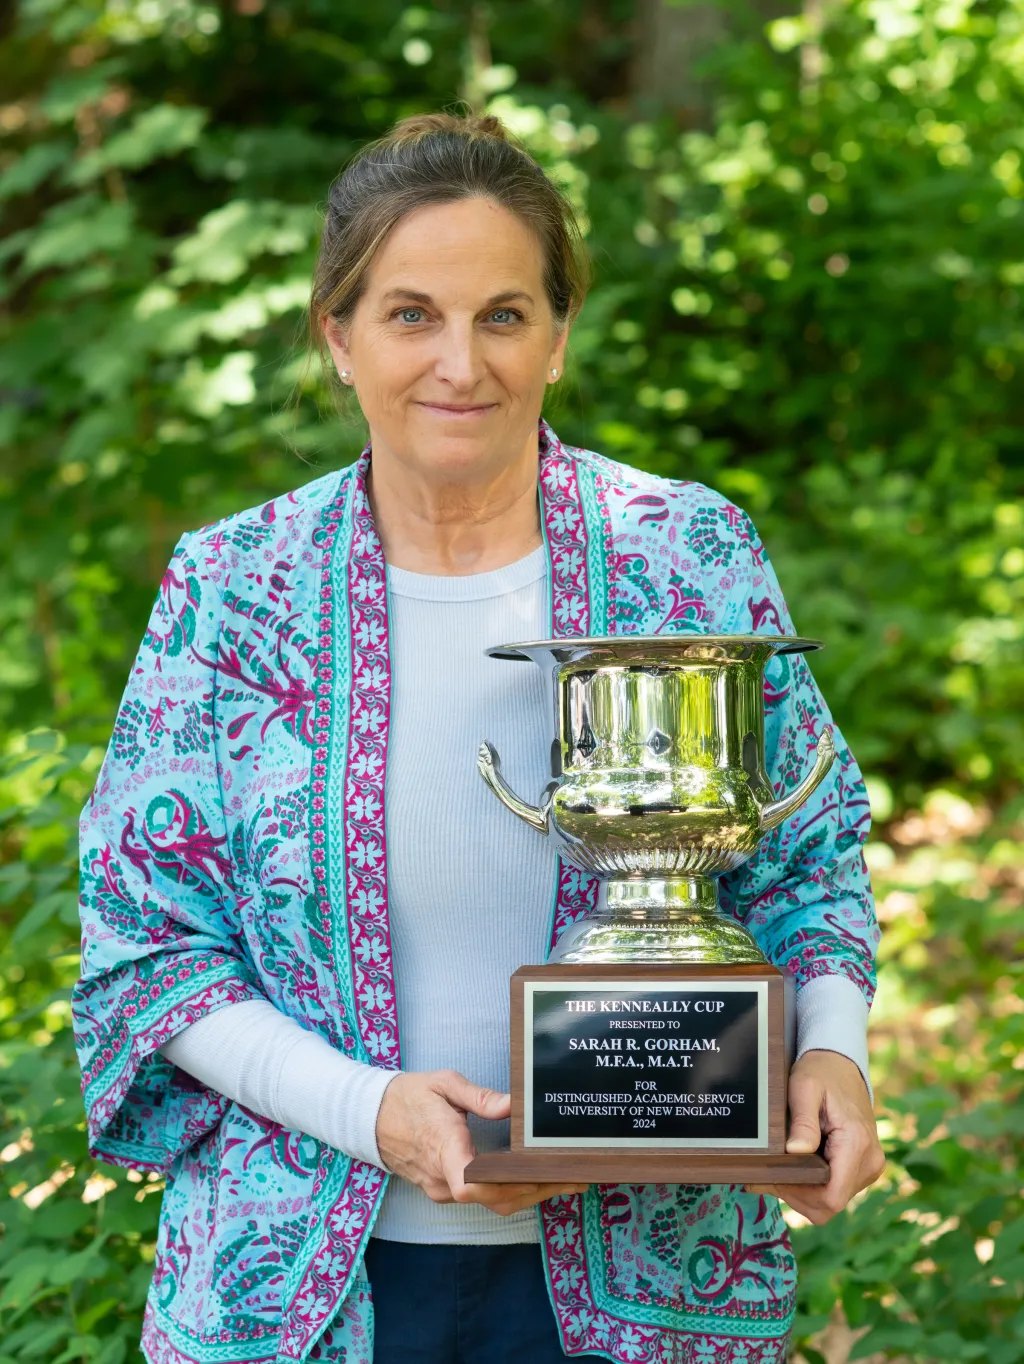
{"points": [[422, 1135]]}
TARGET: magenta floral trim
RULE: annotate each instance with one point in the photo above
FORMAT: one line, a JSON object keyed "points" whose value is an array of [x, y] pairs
{"points": [[147, 990], [576, 891], [565, 528], [323, 932], [345, 1226], [158, 1349], [205, 1110], [342, 1238], [365, 846], [348, 1339], [610, 625], [365, 853], [583, 1326], [576, 897]]}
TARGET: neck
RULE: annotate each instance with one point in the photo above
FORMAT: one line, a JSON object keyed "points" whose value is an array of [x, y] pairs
{"points": [[451, 526]]}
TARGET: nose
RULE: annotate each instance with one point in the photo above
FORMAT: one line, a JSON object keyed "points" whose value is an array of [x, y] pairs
{"points": [[460, 361]]}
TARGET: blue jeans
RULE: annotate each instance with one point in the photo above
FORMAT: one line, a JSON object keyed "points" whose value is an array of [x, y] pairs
{"points": [[462, 1305]]}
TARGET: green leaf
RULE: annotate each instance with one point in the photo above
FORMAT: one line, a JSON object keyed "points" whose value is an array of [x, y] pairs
{"points": [[86, 1320], [230, 237], [43, 1342], [23, 1283], [86, 1264], [34, 1340], [68, 93], [59, 1220], [77, 229], [33, 167], [163, 130], [63, 903]]}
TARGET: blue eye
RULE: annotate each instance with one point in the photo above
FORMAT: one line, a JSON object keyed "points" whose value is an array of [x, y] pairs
{"points": [[411, 314], [504, 315]]}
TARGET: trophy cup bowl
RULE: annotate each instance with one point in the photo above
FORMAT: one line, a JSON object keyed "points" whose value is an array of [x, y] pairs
{"points": [[659, 785], [652, 1044]]}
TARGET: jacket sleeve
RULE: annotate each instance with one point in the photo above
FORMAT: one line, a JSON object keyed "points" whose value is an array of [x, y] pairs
{"points": [[805, 894], [160, 942]]}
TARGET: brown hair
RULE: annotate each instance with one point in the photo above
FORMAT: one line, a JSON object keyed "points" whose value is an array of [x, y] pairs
{"points": [[437, 159]]}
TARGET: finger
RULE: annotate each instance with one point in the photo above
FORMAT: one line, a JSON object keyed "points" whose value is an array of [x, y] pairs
{"points": [[546, 1191], [852, 1167], [843, 1153], [533, 1193], [495, 1193], [821, 1202], [473, 1098], [806, 1094], [506, 1199], [873, 1167], [799, 1197], [808, 1201], [454, 1155]]}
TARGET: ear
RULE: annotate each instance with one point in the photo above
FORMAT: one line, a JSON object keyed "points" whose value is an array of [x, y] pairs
{"points": [[336, 337]]}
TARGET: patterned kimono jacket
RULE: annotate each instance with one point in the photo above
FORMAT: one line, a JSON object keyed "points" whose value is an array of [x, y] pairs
{"points": [[235, 848]]}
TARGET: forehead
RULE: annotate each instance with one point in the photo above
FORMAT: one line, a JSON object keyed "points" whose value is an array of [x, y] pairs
{"points": [[471, 243]]}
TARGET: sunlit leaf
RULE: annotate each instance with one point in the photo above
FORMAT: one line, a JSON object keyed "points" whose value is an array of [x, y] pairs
{"points": [[163, 130]]}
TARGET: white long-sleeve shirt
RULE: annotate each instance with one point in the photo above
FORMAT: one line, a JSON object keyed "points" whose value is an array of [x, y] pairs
{"points": [[470, 893]]}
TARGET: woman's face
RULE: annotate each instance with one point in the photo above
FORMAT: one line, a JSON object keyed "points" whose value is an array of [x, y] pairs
{"points": [[453, 341]]}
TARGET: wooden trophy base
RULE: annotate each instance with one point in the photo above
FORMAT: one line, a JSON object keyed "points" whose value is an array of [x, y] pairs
{"points": [[598, 1166], [648, 1073]]}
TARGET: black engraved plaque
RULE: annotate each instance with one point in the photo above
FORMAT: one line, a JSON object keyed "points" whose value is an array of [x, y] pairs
{"points": [[631, 1065]]}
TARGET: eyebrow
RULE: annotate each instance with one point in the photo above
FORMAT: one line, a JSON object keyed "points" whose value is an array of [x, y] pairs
{"points": [[508, 296]]}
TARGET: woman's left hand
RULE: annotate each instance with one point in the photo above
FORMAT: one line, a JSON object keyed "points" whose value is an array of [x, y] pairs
{"points": [[828, 1098]]}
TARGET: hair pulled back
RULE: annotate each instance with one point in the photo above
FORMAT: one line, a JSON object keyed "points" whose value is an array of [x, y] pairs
{"points": [[437, 159]]}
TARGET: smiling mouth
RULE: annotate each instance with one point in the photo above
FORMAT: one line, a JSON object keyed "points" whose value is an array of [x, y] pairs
{"points": [[459, 410]]}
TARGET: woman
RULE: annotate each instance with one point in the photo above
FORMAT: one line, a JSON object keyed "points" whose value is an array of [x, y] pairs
{"points": [[290, 865]]}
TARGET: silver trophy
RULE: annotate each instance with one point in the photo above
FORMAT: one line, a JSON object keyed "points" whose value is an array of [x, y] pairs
{"points": [[659, 786]]}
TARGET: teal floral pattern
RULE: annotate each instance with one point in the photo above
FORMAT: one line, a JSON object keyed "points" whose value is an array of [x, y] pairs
{"points": [[235, 848]]}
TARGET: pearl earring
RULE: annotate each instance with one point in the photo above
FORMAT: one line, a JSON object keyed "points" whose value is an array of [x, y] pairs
{"points": [[554, 374], [346, 374]]}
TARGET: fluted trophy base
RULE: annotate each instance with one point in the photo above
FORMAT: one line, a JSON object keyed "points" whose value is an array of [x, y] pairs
{"points": [[673, 920]]}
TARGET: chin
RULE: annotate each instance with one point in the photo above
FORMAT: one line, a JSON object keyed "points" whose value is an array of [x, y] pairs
{"points": [[452, 448]]}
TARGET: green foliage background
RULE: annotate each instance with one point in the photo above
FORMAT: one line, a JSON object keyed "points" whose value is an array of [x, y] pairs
{"points": [[813, 303]]}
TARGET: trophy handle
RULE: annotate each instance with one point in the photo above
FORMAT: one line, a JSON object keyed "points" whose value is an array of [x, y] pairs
{"points": [[773, 814], [489, 766]]}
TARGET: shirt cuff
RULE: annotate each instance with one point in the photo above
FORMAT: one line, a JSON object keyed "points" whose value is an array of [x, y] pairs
{"points": [[832, 1015], [338, 1103]]}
